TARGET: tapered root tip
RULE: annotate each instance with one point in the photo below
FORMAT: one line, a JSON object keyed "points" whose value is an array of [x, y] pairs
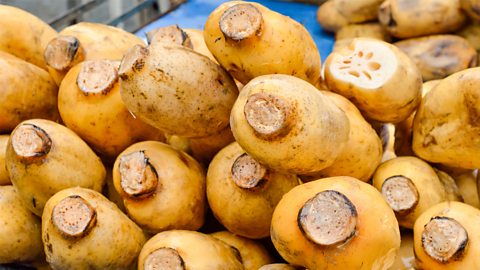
{"points": [[30, 141], [170, 34], [61, 52], [74, 217], [133, 61], [247, 173], [97, 76], [444, 239], [138, 178], [328, 219], [400, 193], [165, 259], [241, 21], [269, 116]]}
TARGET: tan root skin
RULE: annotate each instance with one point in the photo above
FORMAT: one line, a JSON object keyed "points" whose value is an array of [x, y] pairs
{"points": [[278, 266], [176, 201], [367, 30], [330, 18], [268, 32], [18, 79], [471, 7], [253, 253], [358, 11], [374, 245], [453, 191], [362, 142], [289, 107], [4, 178], [446, 128], [405, 259], [404, 19], [250, 215], [197, 250], [161, 86], [468, 188], [24, 35], [368, 72], [423, 185], [444, 237], [20, 233], [117, 241], [97, 41], [70, 162], [98, 115], [440, 55], [471, 32], [205, 148]]}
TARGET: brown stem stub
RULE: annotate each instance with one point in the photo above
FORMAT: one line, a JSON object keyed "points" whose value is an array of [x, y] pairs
{"points": [[170, 34], [165, 259], [328, 219], [74, 217], [241, 21], [444, 239], [400, 193], [63, 52], [138, 178], [30, 142], [247, 173], [97, 76], [133, 61], [269, 116]]}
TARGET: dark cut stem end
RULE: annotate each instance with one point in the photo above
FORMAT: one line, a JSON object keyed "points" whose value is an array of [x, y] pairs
{"points": [[138, 177], [247, 173]]}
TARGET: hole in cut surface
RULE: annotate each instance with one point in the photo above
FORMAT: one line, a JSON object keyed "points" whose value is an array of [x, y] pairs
{"points": [[367, 75], [369, 56], [374, 66], [354, 73], [360, 54]]}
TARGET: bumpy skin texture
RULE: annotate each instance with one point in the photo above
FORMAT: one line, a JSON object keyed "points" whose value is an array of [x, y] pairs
{"points": [[179, 199], [24, 35], [102, 119], [363, 142], [113, 243], [247, 213], [317, 119], [405, 259], [178, 90], [406, 18], [69, 163], [429, 187], [98, 41], [368, 30], [4, 178], [283, 46], [329, 18], [472, 7], [198, 251], [439, 56], [468, 217], [382, 101], [27, 92], [446, 128], [253, 254], [373, 247], [20, 233], [358, 11]]}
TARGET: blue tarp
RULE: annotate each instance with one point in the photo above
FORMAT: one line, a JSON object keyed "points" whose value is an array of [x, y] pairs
{"points": [[194, 13]]}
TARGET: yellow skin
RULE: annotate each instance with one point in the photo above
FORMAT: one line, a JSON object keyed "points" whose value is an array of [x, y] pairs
{"points": [[376, 96], [471, 7], [260, 55], [405, 259], [429, 187], [308, 156], [247, 213], [24, 35], [198, 251], [164, 91], [278, 266], [330, 18], [111, 193], [19, 80], [358, 11], [467, 185], [452, 190], [20, 233], [387, 135], [113, 243], [446, 128], [363, 142], [405, 19], [4, 178], [438, 56], [69, 163], [204, 149], [102, 119], [253, 254], [198, 42], [179, 199], [468, 217], [98, 41], [369, 30], [471, 32], [373, 247]]}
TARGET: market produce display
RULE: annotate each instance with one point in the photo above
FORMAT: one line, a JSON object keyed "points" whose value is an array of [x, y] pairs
{"points": [[234, 148]]}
